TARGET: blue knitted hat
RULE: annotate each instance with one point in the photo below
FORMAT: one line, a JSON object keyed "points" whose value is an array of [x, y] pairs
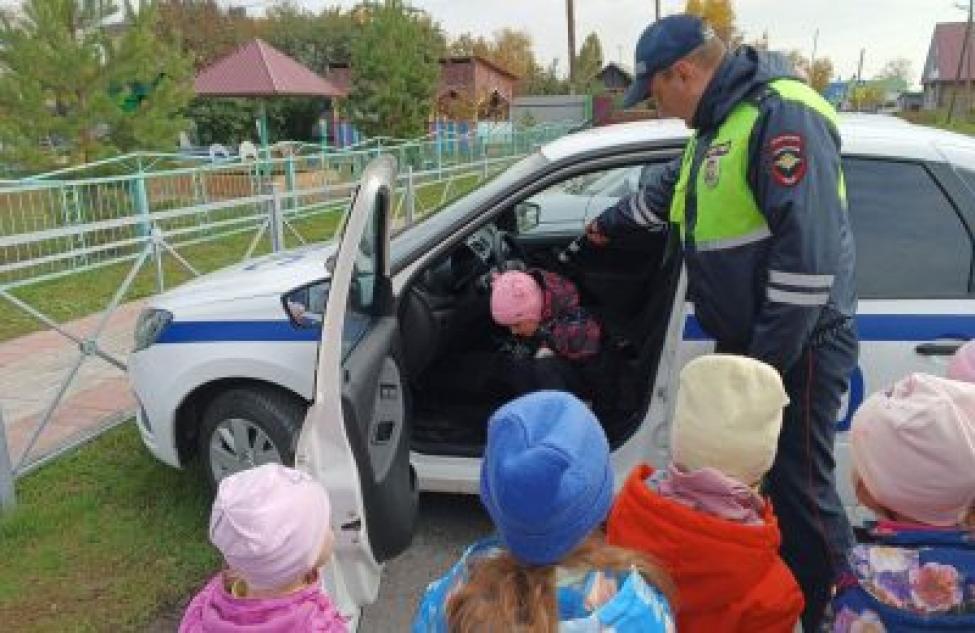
{"points": [[546, 479]]}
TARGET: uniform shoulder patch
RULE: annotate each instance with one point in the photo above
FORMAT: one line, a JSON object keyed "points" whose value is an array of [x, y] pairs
{"points": [[787, 155]]}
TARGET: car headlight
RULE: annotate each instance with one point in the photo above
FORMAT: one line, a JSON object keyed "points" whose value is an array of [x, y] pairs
{"points": [[150, 326]]}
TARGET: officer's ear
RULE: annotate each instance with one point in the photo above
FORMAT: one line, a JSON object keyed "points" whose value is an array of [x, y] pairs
{"points": [[684, 70]]}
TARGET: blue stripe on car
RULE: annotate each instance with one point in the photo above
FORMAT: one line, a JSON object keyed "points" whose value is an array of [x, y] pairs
{"points": [[236, 332]]}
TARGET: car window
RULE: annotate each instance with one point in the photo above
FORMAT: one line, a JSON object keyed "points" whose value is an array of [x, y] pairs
{"points": [[424, 235], [910, 241]]}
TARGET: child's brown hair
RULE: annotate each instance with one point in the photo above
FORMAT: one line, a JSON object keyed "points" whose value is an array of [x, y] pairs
{"points": [[503, 594]]}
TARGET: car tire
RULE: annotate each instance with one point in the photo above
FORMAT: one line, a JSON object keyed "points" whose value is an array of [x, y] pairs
{"points": [[246, 427]]}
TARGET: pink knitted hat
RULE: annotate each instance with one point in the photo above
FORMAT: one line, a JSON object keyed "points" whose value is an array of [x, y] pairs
{"points": [[515, 297], [962, 364], [270, 523], [913, 448]]}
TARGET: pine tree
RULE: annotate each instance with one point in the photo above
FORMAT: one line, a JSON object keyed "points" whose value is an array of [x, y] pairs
{"points": [[154, 82], [394, 71], [590, 61], [70, 93]]}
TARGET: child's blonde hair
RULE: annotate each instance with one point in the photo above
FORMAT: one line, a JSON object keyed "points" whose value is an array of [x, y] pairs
{"points": [[503, 594]]}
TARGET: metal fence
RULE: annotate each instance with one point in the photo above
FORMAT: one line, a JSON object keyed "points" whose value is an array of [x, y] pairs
{"points": [[210, 215]]}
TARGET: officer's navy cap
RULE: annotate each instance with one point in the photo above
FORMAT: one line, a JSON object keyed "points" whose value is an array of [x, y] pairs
{"points": [[661, 44]]}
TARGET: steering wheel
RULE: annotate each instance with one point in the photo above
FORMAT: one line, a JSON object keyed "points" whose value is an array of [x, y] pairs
{"points": [[492, 249]]}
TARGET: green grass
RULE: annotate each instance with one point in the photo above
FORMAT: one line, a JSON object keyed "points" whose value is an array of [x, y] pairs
{"points": [[85, 293], [103, 540]]}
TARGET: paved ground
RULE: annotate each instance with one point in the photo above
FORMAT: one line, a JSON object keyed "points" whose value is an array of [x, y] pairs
{"points": [[33, 368], [447, 525]]}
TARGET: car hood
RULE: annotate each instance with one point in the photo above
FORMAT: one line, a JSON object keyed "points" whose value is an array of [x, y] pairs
{"points": [[272, 274]]}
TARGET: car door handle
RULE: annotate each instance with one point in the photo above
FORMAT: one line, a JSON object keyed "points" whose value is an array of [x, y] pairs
{"points": [[938, 348]]}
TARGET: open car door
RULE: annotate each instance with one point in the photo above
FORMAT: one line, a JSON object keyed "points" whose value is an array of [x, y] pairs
{"points": [[355, 438]]}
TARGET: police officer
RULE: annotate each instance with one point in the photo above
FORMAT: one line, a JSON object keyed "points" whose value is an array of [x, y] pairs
{"points": [[758, 203]]}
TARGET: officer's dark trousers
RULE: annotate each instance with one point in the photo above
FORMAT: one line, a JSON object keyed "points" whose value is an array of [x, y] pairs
{"points": [[815, 532]]}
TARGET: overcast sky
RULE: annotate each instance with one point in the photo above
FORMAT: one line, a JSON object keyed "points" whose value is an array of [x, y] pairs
{"points": [[885, 28]]}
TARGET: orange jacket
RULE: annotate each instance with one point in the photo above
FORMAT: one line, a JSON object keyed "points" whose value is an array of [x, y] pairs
{"points": [[729, 576]]}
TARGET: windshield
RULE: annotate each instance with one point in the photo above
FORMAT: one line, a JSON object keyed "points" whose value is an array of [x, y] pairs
{"points": [[426, 234]]}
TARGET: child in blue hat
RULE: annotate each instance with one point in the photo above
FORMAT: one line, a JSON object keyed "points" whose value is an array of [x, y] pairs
{"points": [[547, 483]]}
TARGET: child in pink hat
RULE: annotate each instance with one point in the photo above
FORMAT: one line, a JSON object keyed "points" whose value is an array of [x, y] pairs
{"points": [[271, 523], [542, 310], [962, 364], [913, 451], [544, 305]]}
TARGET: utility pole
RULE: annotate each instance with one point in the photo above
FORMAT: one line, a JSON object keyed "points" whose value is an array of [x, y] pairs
{"points": [[965, 53], [570, 15], [658, 10], [812, 59], [859, 78]]}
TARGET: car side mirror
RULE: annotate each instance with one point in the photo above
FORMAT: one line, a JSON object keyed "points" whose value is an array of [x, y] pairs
{"points": [[528, 215], [305, 306]]}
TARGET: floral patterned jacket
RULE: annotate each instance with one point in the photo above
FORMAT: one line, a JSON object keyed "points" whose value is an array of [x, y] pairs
{"points": [[912, 579]]}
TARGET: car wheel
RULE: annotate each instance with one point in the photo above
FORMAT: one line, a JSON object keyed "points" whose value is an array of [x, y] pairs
{"points": [[247, 427]]}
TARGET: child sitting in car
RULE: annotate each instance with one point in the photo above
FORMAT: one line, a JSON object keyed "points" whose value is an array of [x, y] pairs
{"points": [[702, 516], [913, 451], [271, 523], [542, 311]]}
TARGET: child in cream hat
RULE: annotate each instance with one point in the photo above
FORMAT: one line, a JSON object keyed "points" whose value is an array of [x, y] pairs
{"points": [[271, 523], [702, 516], [913, 449]]}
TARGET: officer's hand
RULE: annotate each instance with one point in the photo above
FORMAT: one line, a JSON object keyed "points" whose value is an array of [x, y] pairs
{"points": [[595, 235]]}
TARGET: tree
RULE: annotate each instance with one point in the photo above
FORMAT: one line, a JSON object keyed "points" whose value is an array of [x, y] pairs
{"points": [[201, 29], [314, 40], [512, 50], [719, 14], [152, 79], [544, 81], [899, 68], [395, 68], [466, 45], [72, 94], [867, 96], [821, 74], [590, 61], [818, 76]]}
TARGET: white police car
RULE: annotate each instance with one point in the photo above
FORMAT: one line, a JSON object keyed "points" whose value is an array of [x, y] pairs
{"points": [[349, 358]]}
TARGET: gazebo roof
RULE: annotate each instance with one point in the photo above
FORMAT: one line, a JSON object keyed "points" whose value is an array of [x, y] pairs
{"points": [[257, 69]]}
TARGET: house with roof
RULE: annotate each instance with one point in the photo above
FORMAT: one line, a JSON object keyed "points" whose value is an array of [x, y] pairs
{"points": [[941, 78], [615, 77], [471, 88]]}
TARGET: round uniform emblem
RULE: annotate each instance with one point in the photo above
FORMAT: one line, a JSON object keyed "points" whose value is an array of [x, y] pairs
{"points": [[712, 171]]}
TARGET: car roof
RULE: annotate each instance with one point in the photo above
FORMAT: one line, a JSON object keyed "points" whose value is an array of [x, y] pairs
{"points": [[863, 135]]}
